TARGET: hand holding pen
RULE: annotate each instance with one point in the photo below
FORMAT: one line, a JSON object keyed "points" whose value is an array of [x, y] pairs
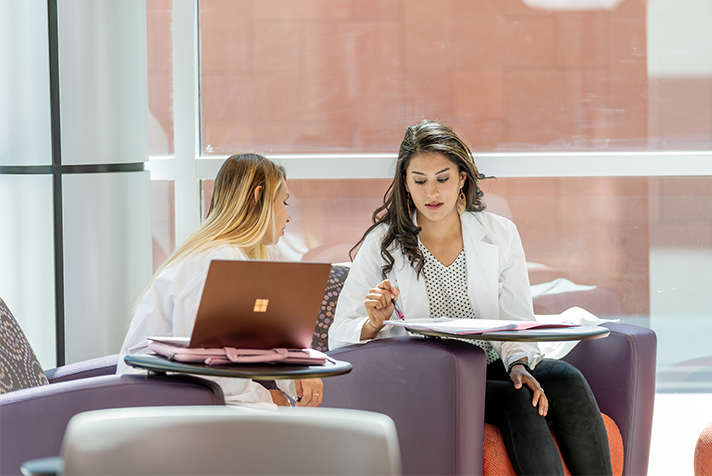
{"points": [[380, 305]]}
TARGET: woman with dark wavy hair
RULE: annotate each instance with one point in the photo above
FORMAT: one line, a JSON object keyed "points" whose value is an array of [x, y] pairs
{"points": [[434, 250]]}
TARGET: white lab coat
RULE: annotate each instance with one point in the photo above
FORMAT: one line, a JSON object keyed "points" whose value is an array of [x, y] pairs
{"points": [[169, 308], [498, 284]]}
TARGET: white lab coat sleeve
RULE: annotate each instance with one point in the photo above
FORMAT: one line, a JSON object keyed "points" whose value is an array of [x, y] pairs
{"points": [[515, 300], [152, 318], [351, 315]]}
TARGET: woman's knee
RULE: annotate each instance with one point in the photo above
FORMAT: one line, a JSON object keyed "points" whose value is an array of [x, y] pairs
{"points": [[505, 402], [567, 389], [505, 394], [558, 373]]}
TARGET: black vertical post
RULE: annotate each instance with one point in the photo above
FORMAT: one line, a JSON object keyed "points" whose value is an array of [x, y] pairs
{"points": [[56, 180]]}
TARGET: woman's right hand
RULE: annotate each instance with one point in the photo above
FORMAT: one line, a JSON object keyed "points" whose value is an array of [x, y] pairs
{"points": [[379, 306], [521, 377]]}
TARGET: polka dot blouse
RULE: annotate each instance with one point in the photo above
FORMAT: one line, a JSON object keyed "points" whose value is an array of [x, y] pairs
{"points": [[447, 293]]}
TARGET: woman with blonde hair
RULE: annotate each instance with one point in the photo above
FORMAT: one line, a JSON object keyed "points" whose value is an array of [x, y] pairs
{"points": [[248, 213]]}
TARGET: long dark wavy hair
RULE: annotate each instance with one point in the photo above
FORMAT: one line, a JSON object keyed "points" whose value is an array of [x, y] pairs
{"points": [[426, 137]]}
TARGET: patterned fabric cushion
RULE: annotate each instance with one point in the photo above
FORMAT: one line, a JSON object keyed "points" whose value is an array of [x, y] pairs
{"points": [[338, 274], [19, 367], [495, 461]]}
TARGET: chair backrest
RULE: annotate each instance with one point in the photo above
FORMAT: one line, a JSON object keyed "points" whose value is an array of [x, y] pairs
{"points": [[337, 276], [230, 440], [19, 367]]}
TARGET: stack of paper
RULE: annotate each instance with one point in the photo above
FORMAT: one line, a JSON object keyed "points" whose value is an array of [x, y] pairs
{"points": [[472, 326]]}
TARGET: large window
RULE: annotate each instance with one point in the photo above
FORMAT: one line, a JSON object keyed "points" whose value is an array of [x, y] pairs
{"points": [[595, 117]]}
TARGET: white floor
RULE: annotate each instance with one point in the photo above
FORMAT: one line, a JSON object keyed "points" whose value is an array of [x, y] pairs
{"points": [[677, 422]]}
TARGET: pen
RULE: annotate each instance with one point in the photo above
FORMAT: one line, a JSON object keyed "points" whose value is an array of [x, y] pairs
{"points": [[399, 313], [293, 399]]}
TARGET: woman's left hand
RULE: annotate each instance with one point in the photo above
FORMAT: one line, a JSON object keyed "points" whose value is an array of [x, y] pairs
{"points": [[279, 398], [520, 377], [309, 392]]}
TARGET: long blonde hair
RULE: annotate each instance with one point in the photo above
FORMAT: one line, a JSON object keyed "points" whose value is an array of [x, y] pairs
{"points": [[235, 217]]}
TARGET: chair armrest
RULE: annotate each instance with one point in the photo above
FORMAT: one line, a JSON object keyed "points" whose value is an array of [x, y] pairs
{"points": [[87, 368], [34, 419], [433, 389], [621, 372]]}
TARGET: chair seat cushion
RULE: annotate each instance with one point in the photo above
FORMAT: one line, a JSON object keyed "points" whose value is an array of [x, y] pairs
{"points": [[19, 367], [703, 452], [496, 462]]}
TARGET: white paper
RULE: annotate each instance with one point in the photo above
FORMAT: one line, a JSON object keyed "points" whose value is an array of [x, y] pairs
{"points": [[574, 315], [456, 326]]}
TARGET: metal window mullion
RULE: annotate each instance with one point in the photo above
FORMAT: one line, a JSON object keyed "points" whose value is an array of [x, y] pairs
{"points": [[56, 182], [186, 118]]}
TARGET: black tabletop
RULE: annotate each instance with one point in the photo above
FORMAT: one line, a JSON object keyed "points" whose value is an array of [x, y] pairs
{"points": [[553, 334], [158, 364]]}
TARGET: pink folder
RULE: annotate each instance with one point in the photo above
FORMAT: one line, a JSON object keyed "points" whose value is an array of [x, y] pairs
{"points": [[176, 349]]}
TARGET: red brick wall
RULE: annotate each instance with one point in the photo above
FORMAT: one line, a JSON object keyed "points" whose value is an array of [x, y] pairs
{"points": [[350, 75]]}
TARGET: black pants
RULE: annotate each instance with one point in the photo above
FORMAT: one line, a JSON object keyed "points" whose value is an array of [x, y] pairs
{"points": [[573, 413]]}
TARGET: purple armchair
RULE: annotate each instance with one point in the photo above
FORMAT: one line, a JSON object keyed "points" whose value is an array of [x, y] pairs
{"points": [[621, 372], [35, 407], [433, 390]]}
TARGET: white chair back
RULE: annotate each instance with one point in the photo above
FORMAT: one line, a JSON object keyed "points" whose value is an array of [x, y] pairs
{"points": [[220, 440]]}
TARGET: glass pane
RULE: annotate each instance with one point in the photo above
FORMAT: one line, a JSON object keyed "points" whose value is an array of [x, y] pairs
{"points": [[159, 19], [107, 258], [590, 231], [679, 74], [680, 281], [27, 257], [25, 129], [285, 76], [162, 220]]}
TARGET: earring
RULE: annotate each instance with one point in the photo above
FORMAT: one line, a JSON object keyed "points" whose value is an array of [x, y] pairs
{"points": [[461, 203]]}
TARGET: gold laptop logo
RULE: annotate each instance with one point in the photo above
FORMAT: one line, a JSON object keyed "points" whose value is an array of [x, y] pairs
{"points": [[260, 305]]}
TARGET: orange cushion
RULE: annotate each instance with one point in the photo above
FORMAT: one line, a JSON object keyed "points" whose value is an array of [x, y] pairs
{"points": [[496, 462], [703, 453]]}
